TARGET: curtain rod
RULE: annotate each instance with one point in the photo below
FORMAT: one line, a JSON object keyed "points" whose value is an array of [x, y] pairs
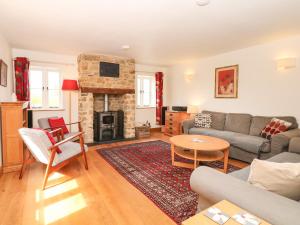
{"points": [[49, 62]]}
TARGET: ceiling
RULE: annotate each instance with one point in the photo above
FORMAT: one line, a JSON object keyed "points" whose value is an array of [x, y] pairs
{"points": [[160, 32]]}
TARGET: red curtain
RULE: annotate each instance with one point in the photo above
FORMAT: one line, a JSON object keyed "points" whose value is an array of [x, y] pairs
{"points": [[159, 96], [22, 78]]}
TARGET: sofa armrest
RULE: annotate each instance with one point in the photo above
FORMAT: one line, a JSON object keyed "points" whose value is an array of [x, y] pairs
{"points": [[187, 125], [295, 145], [217, 186], [280, 142]]}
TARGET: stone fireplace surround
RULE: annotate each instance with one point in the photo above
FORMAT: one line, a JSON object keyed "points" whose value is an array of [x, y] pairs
{"points": [[93, 88]]}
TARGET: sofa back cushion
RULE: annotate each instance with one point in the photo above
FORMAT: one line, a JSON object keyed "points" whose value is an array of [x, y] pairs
{"points": [[238, 122], [259, 122], [217, 118]]}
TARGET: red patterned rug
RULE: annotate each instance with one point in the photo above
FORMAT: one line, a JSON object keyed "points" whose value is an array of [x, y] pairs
{"points": [[148, 167]]}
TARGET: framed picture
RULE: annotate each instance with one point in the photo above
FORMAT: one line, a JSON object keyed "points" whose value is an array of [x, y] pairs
{"points": [[3, 73], [226, 82]]}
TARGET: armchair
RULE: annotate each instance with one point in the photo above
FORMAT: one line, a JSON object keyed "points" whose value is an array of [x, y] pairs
{"points": [[41, 148]]}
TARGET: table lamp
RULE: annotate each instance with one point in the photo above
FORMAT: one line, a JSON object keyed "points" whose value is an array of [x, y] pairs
{"points": [[192, 110]]}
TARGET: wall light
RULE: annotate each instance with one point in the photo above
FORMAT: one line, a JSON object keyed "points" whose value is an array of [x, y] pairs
{"points": [[286, 63], [188, 77]]}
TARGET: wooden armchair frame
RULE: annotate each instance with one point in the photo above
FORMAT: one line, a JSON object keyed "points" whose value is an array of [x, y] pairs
{"points": [[59, 132], [28, 158]]}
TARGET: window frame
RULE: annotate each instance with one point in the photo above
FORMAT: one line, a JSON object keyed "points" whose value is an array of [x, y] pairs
{"points": [[45, 90], [140, 92]]}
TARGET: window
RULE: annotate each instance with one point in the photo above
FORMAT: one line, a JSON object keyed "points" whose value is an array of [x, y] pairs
{"points": [[146, 95], [45, 88]]}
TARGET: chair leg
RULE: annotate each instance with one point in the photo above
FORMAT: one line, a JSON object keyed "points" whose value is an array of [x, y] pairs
{"points": [[48, 171], [85, 161], [26, 157]]}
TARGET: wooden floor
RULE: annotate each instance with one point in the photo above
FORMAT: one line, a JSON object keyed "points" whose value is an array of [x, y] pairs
{"points": [[76, 196]]}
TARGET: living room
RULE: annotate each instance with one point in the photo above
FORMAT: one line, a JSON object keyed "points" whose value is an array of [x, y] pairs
{"points": [[135, 112]]}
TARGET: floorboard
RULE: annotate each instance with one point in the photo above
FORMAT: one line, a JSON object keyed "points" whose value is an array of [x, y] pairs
{"points": [[76, 196]]}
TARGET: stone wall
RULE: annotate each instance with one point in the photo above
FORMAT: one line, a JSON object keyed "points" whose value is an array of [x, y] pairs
{"points": [[88, 68]]}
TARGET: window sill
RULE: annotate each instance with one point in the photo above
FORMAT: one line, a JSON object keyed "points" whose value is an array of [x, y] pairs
{"points": [[146, 107], [46, 109]]}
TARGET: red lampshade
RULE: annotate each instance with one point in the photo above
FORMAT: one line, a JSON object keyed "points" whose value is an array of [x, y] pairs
{"points": [[70, 85]]}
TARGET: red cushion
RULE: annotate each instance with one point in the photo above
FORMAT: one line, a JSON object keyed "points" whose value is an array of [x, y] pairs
{"points": [[51, 139], [274, 127], [58, 123]]}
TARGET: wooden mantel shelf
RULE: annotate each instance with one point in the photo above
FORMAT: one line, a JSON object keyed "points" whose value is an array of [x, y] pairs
{"points": [[119, 91]]}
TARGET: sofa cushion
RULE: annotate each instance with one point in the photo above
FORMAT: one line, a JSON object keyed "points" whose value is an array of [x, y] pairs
{"points": [[226, 135], [251, 144], [276, 126], [218, 119], [238, 122], [203, 120], [259, 122], [280, 178]]}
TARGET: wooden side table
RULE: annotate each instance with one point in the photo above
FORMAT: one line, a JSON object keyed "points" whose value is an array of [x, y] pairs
{"points": [[228, 207]]}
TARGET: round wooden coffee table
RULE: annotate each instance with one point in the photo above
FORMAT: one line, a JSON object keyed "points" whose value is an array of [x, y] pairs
{"points": [[199, 148]]}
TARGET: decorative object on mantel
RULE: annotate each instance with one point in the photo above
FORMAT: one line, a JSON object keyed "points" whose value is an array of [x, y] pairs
{"points": [[22, 78], [143, 131], [159, 78], [226, 82], [3, 73], [70, 85], [13, 97]]}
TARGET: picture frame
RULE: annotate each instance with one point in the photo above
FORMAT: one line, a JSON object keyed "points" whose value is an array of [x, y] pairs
{"points": [[226, 81], [3, 73]]}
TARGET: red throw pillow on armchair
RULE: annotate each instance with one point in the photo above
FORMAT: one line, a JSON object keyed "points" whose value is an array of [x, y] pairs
{"points": [[274, 127], [58, 123], [51, 139]]}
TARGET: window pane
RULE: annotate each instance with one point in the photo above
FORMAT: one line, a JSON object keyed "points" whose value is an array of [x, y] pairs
{"points": [[36, 98], [53, 98], [53, 80], [153, 93], [36, 79], [146, 86], [138, 91]]}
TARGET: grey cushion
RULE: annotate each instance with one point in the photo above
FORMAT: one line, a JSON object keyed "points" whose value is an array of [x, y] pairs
{"points": [[259, 122], [218, 119], [238, 122], [226, 135], [43, 123], [250, 143], [295, 145]]}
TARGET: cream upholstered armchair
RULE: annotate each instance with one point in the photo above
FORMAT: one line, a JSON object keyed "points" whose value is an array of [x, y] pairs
{"points": [[41, 148]]}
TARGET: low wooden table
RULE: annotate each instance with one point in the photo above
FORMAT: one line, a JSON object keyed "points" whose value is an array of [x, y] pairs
{"points": [[207, 149], [225, 206]]}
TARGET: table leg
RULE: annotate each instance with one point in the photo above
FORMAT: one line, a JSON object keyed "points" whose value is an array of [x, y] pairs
{"points": [[226, 156], [172, 153], [195, 159]]}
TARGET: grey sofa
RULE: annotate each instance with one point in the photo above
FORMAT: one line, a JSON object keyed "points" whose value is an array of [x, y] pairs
{"points": [[214, 186], [242, 131]]}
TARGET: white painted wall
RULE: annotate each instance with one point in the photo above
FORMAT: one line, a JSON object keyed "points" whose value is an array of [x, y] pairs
{"points": [[142, 115], [68, 67], [5, 92], [262, 89]]}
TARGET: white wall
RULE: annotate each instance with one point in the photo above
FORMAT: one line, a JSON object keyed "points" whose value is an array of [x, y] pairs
{"points": [[262, 89], [68, 67], [142, 115], [5, 92]]}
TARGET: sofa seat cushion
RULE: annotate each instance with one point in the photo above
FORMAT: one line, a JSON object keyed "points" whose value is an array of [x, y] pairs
{"points": [[226, 135], [248, 143], [251, 144]]}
